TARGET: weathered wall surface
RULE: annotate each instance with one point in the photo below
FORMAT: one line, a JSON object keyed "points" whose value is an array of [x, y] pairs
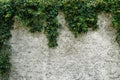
{"points": [[92, 56]]}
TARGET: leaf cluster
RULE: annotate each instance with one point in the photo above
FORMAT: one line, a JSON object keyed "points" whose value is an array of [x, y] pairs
{"points": [[42, 17]]}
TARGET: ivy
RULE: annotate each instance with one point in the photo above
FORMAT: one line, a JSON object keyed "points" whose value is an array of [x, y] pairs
{"points": [[112, 7], [42, 17], [77, 16], [51, 29], [6, 22], [5, 64], [116, 19]]}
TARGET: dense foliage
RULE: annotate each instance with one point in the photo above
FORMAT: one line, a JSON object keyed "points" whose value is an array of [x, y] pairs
{"points": [[78, 18], [42, 16]]}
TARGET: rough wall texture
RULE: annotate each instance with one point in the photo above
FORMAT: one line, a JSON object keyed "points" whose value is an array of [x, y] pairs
{"points": [[92, 56]]}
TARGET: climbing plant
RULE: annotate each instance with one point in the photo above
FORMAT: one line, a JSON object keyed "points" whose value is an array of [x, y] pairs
{"points": [[52, 25], [116, 19], [112, 7], [5, 64], [40, 16], [6, 22], [76, 14]]}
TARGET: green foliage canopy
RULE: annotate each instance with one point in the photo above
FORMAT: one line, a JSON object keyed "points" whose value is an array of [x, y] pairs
{"points": [[42, 16]]}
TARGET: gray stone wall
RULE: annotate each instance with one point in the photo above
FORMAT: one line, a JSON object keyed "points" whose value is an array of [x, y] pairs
{"points": [[91, 56]]}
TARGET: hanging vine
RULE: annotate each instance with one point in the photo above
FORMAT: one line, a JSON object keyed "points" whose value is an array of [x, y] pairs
{"points": [[42, 17], [51, 29], [77, 16], [6, 22]]}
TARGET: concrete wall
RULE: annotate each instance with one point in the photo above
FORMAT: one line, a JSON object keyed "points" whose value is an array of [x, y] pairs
{"points": [[92, 56]]}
